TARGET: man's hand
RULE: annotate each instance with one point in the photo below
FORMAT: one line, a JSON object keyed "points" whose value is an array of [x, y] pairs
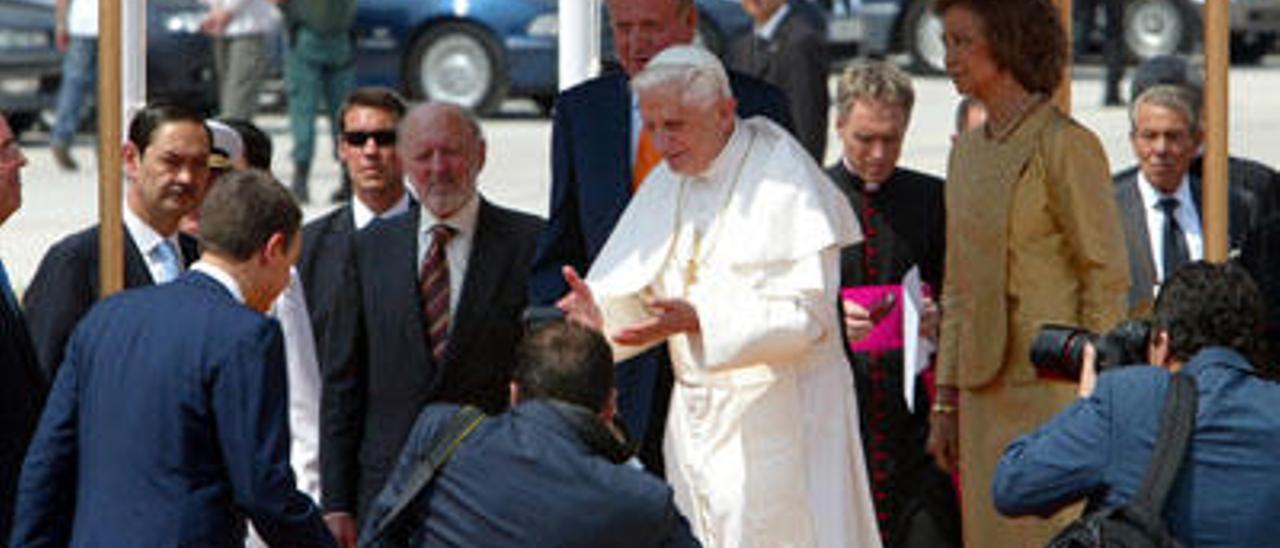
{"points": [[1088, 371], [578, 304], [62, 38], [670, 317], [857, 321], [944, 442], [343, 527], [215, 23], [930, 321]]}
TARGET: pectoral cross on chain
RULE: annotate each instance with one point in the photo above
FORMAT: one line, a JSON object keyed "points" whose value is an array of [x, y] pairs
{"points": [[691, 265]]}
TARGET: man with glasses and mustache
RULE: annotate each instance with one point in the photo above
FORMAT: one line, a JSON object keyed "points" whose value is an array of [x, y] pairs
{"points": [[166, 164], [428, 310]]}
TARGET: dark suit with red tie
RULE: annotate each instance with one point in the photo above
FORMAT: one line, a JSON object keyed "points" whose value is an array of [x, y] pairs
{"points": [[381, 371]]}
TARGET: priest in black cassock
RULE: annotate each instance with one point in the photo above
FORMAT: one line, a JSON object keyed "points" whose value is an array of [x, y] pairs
{"points": [[903, 220]]}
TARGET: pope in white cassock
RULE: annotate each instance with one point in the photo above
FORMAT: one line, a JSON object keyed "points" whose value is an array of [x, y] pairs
{"points": [[729, 252]]}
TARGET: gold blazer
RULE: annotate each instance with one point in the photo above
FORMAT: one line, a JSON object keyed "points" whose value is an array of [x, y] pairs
{"points": [[1033, 236]]}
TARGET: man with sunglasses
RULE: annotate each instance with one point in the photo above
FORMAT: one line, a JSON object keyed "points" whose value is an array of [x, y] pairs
{"points": [[367, 146]]}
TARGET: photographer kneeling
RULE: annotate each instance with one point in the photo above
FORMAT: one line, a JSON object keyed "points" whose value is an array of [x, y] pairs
{"points": [[1205, 324]]}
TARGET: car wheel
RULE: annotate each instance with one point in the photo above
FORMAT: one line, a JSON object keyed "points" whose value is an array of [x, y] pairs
{"points": [[1158, 27], [1248, 49], [458, 63], [923, 31]]}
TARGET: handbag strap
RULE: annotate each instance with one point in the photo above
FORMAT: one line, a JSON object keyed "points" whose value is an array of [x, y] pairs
{"points": [[460, 425], [1177, 420]]}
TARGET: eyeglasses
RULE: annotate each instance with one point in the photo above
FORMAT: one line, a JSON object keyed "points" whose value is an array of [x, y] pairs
{"points": [[385, 137]]}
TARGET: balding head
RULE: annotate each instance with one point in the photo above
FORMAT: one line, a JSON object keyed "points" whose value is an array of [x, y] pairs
{"points": [[642, 28], [443, 151]]}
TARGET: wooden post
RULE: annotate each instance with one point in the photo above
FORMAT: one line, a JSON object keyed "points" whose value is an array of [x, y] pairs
{"points": [[1062, 97], [1217, 62], [111, 226]]}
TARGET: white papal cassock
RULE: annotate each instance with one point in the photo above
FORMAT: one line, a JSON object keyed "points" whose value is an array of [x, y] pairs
{"points": [[762, 444]]}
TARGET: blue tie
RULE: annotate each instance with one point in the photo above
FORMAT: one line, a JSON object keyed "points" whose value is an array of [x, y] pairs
{"points": [[165, 254]]}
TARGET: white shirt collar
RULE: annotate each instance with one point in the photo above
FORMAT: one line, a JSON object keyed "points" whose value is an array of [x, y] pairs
{"points": [[222, 277], [867, 186], [770, 27], [362, 215], [146, 237], [1152, 196], [463, 221]]}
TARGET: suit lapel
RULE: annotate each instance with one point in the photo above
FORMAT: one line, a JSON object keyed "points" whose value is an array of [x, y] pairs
{"points": [[136, 273], [391, 300], [1133, 218], [485, 270]]}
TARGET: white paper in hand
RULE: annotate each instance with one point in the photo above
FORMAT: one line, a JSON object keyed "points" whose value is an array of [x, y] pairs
{"points": [[915, 350]]}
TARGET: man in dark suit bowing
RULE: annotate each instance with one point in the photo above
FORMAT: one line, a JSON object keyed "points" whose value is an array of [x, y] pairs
{"points": [[787, 48], [22, 392], [367, 146], [1160, 198], [166, 423], [599, 156], [432, 314], [166, 165]]}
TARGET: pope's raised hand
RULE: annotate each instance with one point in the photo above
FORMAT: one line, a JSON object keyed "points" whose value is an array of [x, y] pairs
{"points": [[578, 304], [670, 317]]}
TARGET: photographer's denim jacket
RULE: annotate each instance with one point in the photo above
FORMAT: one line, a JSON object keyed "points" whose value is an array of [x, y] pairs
{"points": [[1227, 491]]}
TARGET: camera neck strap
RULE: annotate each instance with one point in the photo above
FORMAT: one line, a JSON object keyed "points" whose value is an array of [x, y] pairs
{"points": [[1177, 421], [460, 425]]}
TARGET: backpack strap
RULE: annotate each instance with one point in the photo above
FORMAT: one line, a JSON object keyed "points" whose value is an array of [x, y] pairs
{"points": [[1177, 420], [460, 425]]}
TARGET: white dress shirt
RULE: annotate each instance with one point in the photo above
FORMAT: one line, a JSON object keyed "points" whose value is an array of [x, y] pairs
{"points": [[361, 214], [457, 251], [1186, 214], [770, 27], [147, 239]]}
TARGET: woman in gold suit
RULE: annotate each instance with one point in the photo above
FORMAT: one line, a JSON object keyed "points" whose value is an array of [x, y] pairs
{"points": [[1033, 237]]}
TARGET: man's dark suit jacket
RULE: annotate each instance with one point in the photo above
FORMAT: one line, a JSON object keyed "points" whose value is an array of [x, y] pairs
{"points": [[1242, 209], [795, 60], [537, 481], [166, 427], [66, 285], [21, 397], [591, 186], [326, 254], [380, 373]]}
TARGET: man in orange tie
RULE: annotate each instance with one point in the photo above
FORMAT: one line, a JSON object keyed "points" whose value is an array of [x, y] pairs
{"points": [[595, 142]]}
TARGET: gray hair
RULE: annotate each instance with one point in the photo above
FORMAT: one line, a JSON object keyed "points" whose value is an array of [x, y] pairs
{"points": [[874, 80], [1181, 99], [694, 70]]}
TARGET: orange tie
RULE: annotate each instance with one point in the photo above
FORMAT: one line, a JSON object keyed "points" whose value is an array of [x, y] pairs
{"points": [[647, 158]]}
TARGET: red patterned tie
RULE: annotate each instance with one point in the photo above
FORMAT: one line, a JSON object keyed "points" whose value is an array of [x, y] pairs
{"points": [[435, 291]]}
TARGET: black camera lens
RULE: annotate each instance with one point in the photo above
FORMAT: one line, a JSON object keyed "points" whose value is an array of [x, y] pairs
{"points": [[1058, 351]]}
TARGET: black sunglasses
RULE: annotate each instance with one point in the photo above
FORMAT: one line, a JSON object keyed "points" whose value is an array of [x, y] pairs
{"points": [[385, 137]]}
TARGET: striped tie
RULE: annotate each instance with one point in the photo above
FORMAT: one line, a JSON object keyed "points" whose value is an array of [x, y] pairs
{"points": [[435, 291]]}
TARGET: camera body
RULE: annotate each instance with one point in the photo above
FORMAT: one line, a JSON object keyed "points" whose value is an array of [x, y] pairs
{"points": [[1058, 350]]}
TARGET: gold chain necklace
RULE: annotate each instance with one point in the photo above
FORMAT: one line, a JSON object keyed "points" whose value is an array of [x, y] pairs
{"points": [[691, 266], [1017, 114]]}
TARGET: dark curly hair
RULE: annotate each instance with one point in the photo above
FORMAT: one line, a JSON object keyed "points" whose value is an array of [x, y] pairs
{"points": [[1204, 304], [1026, 38]]}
